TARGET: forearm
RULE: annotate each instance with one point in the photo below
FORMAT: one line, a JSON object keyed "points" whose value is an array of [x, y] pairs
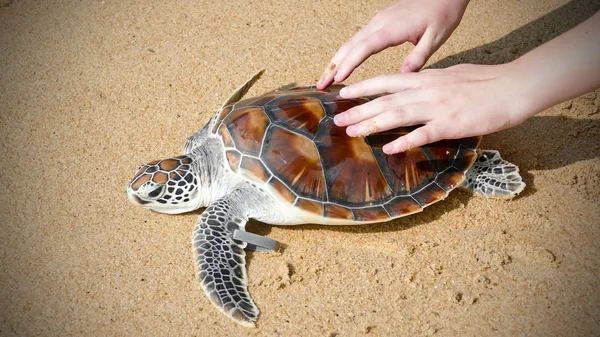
{"points": [[559, 70]]}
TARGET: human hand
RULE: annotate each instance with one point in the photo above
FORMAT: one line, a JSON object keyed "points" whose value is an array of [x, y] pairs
{"points": [[461, 101], [470, 100], [427, 24]]}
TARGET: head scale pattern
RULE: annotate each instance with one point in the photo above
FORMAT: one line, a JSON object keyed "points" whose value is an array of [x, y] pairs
{"points": [[169, 181]]}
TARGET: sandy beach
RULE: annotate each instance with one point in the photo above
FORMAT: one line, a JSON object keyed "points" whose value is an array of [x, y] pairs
{"points": [[90, 90]]}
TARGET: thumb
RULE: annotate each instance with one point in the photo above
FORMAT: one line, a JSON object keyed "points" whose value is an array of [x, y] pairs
{"points": [[417, 58]]}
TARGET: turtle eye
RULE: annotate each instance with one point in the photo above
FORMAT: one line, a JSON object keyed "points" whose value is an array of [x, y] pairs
{"points": [[156, 192]]}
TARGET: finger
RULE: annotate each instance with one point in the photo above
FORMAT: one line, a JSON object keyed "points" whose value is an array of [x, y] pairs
{"points": [[426, 134], [327, 78], [370, 45], [383, 84], [332, 68], [385, 103], [417, 58], [407, 115]]}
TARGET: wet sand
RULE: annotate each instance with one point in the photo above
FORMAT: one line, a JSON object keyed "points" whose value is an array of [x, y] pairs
{"points": [[90, 90]]}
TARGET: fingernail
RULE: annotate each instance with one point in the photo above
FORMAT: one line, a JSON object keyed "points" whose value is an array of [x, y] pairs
{"points": [[351, 131], [320, 82], [339, 119], [344, 91], [357, 131], [388, 149], [407, 68], [396, 146]]}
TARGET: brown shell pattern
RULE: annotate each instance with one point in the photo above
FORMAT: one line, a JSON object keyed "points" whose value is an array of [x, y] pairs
{"points": [[288, 140]]}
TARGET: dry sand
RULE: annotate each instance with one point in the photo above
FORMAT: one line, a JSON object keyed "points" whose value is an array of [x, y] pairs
{"points": [[89, 90]]}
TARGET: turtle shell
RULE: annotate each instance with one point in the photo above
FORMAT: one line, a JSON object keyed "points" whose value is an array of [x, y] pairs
{"points": [[287, 139]]}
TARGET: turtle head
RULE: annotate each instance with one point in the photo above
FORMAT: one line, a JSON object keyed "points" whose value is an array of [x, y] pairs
{"points": [[166, 186]]}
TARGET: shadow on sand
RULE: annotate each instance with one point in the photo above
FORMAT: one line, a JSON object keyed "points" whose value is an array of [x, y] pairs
{"points": [[527, 37]]}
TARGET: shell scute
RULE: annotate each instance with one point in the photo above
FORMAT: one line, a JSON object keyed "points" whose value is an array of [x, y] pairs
{"points": [[233, 159], [441, 153], [352, 173], [225, 136], [256, 101], [464, 159], [256, 167], [450, 178], [247, 127], [338, 212], [300, 113], [310, 206], [471, 143], [338, 105], [402, 205], [296, 161], [407, 171], [221, 115], [282, 190], [429, 194], [376, 213]]}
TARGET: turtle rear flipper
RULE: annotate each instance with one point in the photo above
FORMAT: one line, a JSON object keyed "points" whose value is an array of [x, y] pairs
{"points": [[222, 261], [493, 176]]}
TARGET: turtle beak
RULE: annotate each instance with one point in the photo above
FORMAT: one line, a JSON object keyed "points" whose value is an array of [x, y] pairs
{"points": [[135, 199]]}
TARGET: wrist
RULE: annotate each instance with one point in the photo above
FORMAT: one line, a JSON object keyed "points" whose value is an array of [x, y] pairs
{"points": [[525, 96]]}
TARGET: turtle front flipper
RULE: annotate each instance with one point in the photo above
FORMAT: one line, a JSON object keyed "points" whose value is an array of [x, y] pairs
{"points": [[239, 93], [493, 176], [222, 261]]}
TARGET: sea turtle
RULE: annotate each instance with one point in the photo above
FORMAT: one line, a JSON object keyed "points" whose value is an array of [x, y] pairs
{"points": [[278, 158]]}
